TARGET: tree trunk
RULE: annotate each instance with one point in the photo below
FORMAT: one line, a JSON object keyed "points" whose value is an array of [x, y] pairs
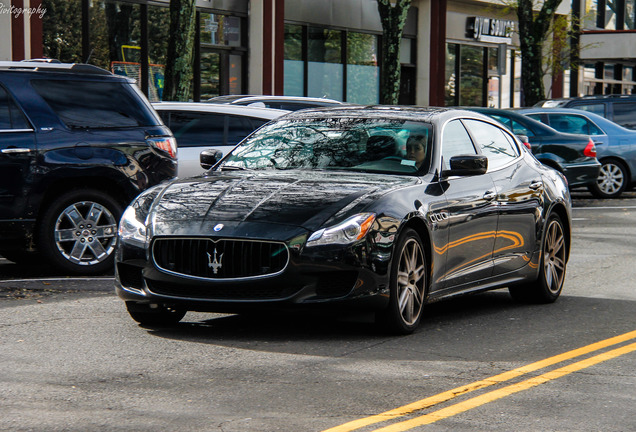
{"points": [[393, 19], [178, 74], [532, 33]]}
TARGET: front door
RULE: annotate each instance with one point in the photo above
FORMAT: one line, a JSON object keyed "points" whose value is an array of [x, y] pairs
{"points": [[17, 161], [221, 73]]}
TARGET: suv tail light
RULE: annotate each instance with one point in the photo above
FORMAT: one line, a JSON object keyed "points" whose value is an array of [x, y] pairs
{"points": [[165, 144], [590, 149]]}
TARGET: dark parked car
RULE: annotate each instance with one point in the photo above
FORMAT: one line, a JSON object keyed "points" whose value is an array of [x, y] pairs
{"points": [[321, 208], [290, 103], [620, 109], [77, 145], [615, 146], [573, 155]]}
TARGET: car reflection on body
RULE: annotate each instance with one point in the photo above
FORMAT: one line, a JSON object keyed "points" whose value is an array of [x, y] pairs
{"points": [[322, 208]]}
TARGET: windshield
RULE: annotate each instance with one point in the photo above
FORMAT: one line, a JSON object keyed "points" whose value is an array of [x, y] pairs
{"points": [[353, 144]]}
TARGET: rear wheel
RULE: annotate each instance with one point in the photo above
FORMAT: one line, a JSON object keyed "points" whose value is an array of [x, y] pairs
{"points": [[78, 231], [611, 181], [407, 285], [154, 315], [547, 288]]}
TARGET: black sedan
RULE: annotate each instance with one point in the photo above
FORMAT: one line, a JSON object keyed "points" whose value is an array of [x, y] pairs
{"points": [[573, 155], [380, 208]]}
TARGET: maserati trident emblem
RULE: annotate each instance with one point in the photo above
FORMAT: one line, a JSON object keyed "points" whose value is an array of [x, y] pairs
{"points": [[218, 227], [215, 264]]}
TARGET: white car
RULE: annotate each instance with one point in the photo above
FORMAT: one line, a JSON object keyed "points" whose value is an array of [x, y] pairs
{"points": [[203, 126], [292, 103]]}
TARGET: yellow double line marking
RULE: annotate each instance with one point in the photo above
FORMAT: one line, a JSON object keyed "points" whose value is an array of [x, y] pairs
{"points": [[495, 394]]}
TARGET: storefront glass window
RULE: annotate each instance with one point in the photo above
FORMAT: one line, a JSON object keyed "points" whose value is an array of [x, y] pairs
{"points": [[220, 30], [363, 73], [611, 8], [591, 15], [236, 74], [630, 14], [62, 30], [293, 63], [406, 51], [210, 74], [325, 69], [115, 37], [158, 30], [471, 76], [450, 78]]}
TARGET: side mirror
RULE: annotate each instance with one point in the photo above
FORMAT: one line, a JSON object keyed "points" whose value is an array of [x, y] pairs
{"points": [[467, 165], [209, 158]]}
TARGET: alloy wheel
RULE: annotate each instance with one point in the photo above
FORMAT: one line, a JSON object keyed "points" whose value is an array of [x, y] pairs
{"points": [[411, 280], [554, 257], [610, 178], [86, 233]]}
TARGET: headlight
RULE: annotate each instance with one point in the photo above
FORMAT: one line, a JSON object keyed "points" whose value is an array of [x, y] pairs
{"points": [[132, 229], [133, 225], [349, 231]]}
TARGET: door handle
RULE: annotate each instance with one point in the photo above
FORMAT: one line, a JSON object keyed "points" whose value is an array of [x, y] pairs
{"points": [[490, 195], [535, 185], [15, 150]]}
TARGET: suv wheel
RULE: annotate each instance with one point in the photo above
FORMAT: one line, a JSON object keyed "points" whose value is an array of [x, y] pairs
{"points": [[612, 180], [78, 232]]}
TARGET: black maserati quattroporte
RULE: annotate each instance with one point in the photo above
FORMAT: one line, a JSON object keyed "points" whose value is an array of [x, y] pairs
{"points": [[381, 208]]}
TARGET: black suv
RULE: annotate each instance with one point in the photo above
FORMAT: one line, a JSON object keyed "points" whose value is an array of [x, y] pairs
{"points": [[77, 144], [620, 109]]}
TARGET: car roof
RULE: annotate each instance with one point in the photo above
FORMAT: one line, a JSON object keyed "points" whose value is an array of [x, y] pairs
{"points": [[267, 113], [414, 113], [515, 114], [591, 98], [599, 120], [257, 98]]}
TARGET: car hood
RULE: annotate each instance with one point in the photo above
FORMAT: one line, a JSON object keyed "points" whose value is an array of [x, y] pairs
{"points": [[299, 199]]}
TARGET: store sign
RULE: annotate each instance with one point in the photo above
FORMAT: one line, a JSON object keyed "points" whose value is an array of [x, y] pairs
{"points": [[490, 29]]}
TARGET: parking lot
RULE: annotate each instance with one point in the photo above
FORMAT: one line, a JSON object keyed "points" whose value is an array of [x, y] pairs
{"points": [[72, 359]]}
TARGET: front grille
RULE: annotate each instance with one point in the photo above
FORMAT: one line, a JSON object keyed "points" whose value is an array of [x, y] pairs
{"points": [[243, 291], [220, 259]]}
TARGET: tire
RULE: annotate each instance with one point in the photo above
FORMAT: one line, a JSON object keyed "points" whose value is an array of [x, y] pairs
{"points": [[158, 316], [78, 231], [408, 285], [548, 286], [612, 180]]}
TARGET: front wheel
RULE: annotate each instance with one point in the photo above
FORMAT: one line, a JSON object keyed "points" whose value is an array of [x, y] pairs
{"points": [[407, 285], [547, 288], [612, 180], [78, 231]]}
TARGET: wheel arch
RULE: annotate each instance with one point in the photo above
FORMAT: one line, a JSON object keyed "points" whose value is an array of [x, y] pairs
{"points": [[102, 184], [560, 210], [624, 163], [420, 227]]}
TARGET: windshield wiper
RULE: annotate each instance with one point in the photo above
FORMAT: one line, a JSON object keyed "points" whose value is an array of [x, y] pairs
{"points": [[232, 168]]}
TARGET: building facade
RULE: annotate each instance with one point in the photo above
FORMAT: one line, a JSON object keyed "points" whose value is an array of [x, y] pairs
{"points": [[608, 47], [453, 52]]}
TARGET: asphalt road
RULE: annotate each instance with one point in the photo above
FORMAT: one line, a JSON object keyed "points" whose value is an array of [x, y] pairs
{"points": [[72, 360]]}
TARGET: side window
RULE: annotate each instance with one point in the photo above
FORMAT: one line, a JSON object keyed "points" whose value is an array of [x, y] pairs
{"points": [[455, 141], [95, 104], [575, 124], [194, 129], [596, 108], [493, 143], [238, 128], [519, 129], [625, 114], [11, 116]]}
